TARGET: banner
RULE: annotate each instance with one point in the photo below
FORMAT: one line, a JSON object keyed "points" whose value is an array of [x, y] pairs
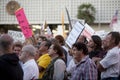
{"points": [[88, 31], [60, 30], [23, 22], [74, 34], [16, 35]]}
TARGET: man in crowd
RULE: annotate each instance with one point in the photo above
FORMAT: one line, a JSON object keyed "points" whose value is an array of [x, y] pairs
{"points": [[109, 65], [29, 66], [85, 68], [45, 59], [10, 68]]}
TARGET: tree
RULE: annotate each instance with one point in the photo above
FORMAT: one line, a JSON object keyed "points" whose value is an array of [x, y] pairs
{"points": [[86, 12]]}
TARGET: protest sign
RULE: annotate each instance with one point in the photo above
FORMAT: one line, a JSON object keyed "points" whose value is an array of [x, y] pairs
{"points": [[60, 30], [16, 35], [88, 31], [24, 25], [74, 34]]}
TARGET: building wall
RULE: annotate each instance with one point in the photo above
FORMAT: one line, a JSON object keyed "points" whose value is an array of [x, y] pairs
{"points": [[37, 11]]}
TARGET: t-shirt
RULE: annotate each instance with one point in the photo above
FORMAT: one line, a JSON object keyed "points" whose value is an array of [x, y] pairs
{"points": [[30, 69], [70, 66], [43, 61], [59, 69], [111, 63]]}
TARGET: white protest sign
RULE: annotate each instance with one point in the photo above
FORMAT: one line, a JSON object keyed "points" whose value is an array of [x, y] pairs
{"points": [[88, 31], [16, 35], [74, 34], [59, 30]]}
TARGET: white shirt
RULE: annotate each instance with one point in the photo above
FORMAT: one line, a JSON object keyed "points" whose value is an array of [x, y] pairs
{"points": [[30, 69], [68, 55], [111, 63], [70, 66], [59, 69]]}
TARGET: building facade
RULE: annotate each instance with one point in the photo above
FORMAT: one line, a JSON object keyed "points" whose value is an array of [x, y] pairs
{"points": [[37, 11]]}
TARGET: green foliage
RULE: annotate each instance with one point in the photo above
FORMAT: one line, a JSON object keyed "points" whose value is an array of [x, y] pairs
{"points": [[86, 12]]}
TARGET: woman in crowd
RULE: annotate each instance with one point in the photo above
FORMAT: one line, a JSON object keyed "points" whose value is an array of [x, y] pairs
{"points": [[95, 49], [56, 69], [61, 41], [94, 46]]}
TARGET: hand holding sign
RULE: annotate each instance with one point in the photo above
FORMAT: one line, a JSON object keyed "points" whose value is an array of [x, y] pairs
{"points": [[20, 15]]}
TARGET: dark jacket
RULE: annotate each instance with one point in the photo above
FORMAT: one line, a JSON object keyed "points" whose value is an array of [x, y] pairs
{"points": [[10, 68], [94, 53]]}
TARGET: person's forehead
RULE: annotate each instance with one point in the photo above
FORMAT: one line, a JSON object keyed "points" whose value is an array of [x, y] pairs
{"points": [[74, 47], [90, 40], [43, 43], [16, 47], [108, 36]]}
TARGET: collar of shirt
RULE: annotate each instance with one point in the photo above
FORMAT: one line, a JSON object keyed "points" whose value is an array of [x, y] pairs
{"points": [[28, 62], [82, 61]]}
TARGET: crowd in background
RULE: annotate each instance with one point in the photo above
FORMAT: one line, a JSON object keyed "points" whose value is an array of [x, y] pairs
{"points": [[50, 59]]}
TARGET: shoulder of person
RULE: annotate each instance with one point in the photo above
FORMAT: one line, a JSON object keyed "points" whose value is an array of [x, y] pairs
{"points": [[59, 61]]}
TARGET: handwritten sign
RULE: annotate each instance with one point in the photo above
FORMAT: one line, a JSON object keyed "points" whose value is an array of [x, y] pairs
{"points": [[16, 35], [74, 34], [23, 22], [88, 31]]}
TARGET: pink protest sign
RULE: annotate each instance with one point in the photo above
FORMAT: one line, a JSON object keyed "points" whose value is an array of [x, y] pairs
{"points": [[23, 22]]}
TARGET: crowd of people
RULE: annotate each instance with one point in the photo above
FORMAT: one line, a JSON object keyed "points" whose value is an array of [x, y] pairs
{"points": [[51, 59]]}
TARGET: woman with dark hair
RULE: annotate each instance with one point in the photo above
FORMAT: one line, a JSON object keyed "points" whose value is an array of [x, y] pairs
{"points": [[56, 69], [95, 49], [94, 46]]}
